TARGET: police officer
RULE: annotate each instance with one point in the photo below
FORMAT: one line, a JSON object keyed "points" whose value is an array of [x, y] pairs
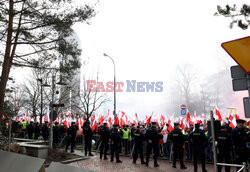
{"points": [[37, 130], [71, 136], [104, 133], [198, 142], [178, 140], [125, 138], [88, 135], [30, 130], [24, 127], [153, 137], [115, 137], [224, 145], [56, 134], [239, 139], [139, 137], [45, 131]]}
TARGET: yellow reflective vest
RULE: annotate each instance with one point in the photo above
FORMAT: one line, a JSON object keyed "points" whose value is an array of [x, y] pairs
{"points": [[24, 125], [125, 134]]}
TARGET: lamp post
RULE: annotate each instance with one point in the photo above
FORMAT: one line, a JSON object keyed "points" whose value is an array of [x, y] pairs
{"points": [[52, 102], [114, 112], [52, 108], [42, 85]]}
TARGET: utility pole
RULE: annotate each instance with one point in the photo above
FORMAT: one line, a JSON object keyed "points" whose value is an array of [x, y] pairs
{"points": [[213, 139], [52, 111]]}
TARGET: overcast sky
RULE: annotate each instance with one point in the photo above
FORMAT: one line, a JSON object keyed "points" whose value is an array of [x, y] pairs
{"points": [[149, 38]]}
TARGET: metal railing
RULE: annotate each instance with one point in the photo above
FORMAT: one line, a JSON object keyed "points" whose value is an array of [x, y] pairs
{"points": [[243, 167]]}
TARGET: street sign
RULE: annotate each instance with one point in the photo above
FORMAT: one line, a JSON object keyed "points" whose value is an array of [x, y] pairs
{"points": [[183, 112], [246, 101], [240, 84], [239, 50], [58, 105], [237, 72], [183, 107]]}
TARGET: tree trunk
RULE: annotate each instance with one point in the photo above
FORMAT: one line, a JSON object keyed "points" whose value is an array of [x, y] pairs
{"points": [[7, 60]]}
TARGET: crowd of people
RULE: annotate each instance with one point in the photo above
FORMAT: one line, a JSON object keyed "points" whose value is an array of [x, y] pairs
{"points": [[191, 143]]}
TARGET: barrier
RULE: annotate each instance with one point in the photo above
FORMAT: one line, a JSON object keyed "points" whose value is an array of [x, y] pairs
{"points": [[243, 167]]}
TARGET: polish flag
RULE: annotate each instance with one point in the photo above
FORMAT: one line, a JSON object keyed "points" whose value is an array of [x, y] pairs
{"points": [[170, 126], [116, 122], [81, 122], [136, 116], [80, 126], [217, 112], [182, 124], [188, 117], [110, 122], [164, 132], [162, 119], [94, 125], [148, 121]]}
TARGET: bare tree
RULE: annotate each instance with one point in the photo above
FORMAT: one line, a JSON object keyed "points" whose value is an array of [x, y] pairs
{"points": [[185, 77], [90, 101]]}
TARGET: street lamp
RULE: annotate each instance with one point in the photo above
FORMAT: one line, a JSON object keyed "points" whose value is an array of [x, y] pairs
{"points": [[42, 85], [114, 112], [52, 108], [52, 102]]}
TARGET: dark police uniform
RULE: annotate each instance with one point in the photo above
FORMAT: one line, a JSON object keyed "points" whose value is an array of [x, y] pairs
{"points": [[104, 133], [88, 134], [71, 137], [153, 135], [115, 137], [45, 131], [37, 131], [224, 149], [239, 139], [56, 134], [31, 130], [198, 142], [139, 137], [178, 140]]}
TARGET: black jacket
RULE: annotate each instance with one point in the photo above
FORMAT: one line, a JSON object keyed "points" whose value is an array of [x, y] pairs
{"points": [[139, 137], [87, 131], [153, 134], [72, 131], [104, 133], [115, 136], [224, 142], [239, 139], [177, 137], [198, 139]]}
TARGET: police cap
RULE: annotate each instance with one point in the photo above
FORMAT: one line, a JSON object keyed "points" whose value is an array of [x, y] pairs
{"points": [[240, 121]]}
